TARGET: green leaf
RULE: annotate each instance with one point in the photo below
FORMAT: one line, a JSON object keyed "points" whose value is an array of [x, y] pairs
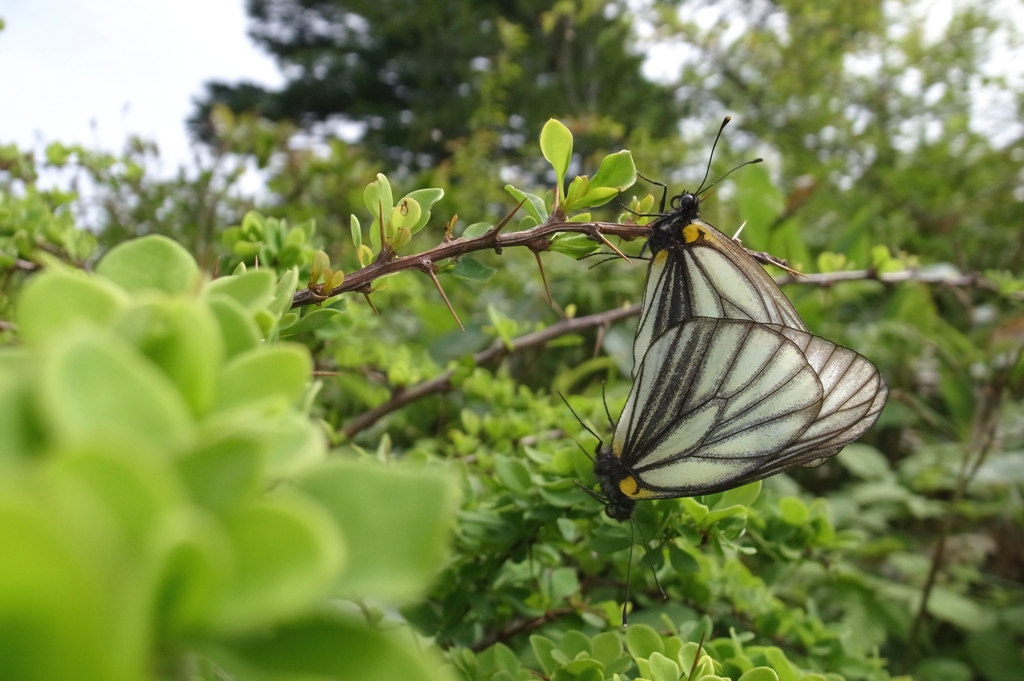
{"points": [[542, 649], [682, 561], [596, 196], [996, 653], [513, 473], [563, 582], [152, 262], [794, 511], [328, 646], [182, 337], [357, 232], [697, 510], [405, 214], [534, 205], [577, 189], [136, 490], [378, 198], [607, 647], [59, 622], [57, 301], [742, 496], [776, 659], [504, 326], [96, 386], [556, 145], [254, 226], [617, 171], [865, 462], [238, 330], [476, 229], [574, 245], [223, 472], [280, 372], [662, 668], [642, 641], [253, 289], [760, 674], [284, 291], [396, 522], [962, 611], [321, 261], [192, 568], [473, 271], [311, 320], [287, 553], [426, 198]]}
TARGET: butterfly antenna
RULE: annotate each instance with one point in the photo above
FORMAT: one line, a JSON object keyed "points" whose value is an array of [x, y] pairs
{"points": [[585, 452], [650, 561], [664, 191], [712, 155], [604, 399], [629, 569], [589, 430], [745, 163], [592, 493]]}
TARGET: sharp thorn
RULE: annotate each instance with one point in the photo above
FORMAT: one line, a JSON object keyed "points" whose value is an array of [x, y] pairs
{"points": [[610, 245], [505, 220], [543, 278], [370, 303], [433, 277]]}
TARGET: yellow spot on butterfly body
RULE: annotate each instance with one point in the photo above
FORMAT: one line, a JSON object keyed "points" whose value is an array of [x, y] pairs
{"points": [[693, 233], [632, 489]]}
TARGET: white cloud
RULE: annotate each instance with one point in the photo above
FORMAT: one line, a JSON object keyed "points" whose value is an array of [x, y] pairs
{"points": [[96, 71]]}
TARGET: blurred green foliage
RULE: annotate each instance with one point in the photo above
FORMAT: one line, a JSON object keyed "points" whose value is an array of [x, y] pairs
{"points": [[166, 488]]}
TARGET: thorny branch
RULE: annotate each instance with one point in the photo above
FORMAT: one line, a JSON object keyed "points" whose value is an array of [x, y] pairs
{"points": [[537, 239], [601, 320], [497, 350], [984, 431]]}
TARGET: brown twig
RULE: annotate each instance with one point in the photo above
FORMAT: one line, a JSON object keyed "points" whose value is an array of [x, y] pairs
{"points": [[497, 350], [537, 239], [518, 627], [984, 431], [828, 278]]}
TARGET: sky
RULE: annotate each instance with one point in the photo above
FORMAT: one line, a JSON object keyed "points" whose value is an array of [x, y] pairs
{"points": [[96, 71]]}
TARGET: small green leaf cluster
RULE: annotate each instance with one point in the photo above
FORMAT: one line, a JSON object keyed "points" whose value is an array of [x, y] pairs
{"points": [[531, 545], [615, 173], [167, 506], [268, 242], [39, 229], [397, 221], [641, 654]]}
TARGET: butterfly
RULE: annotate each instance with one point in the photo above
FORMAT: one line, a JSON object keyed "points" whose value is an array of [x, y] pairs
{"points": [[717, 403], [697, 271], [729, 385]]}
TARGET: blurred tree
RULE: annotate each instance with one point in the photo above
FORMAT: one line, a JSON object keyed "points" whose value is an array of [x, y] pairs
{"points": [[420, 76]]}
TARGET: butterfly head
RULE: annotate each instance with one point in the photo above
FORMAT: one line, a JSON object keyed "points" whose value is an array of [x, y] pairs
{"points": [[610, 472], [685, 206], [667, 230]]}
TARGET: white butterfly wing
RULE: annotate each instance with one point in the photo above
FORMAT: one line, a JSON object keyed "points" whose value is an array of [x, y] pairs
{"points": [[719, 402], [703, 273]]}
